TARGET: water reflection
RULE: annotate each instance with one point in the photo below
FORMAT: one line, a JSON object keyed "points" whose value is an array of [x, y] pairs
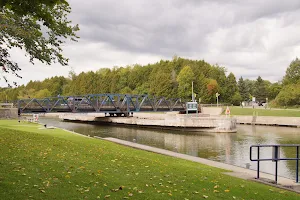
{"points": [[231, 148]]}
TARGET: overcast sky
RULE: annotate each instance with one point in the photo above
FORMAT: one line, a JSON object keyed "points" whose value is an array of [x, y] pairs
{"points": [[248, 37]]}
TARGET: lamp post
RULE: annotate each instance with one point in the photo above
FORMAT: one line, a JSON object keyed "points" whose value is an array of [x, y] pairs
{"points": [[193, 97], [217, 96]]}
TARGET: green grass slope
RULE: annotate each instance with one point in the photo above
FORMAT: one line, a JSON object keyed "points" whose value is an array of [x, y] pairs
{"points": [[55, 164]]}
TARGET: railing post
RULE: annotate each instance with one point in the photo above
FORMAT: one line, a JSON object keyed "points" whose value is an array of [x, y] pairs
{"points": [[297, 165], [258, 162], [276, 156], [276, 170]]}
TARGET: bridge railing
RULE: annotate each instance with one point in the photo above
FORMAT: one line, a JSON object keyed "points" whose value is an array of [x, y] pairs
{"points": [[275, 157], [110, 103]]}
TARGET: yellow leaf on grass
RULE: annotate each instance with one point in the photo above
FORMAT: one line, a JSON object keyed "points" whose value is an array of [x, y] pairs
{"points": [[226, 190]]}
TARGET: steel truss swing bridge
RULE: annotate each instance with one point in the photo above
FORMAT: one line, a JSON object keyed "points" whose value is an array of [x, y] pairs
{"points": [[113, 104]]}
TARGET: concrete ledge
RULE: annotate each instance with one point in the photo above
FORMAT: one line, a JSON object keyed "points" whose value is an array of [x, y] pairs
{"points": [[269, 120], [212, 110], [193, 122], [239, 172]]}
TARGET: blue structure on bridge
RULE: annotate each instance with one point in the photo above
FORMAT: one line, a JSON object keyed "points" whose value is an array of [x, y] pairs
{"points": [[112, 104]]}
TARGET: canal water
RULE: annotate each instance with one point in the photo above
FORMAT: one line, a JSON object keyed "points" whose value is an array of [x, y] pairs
{"points": [[230, 148]]}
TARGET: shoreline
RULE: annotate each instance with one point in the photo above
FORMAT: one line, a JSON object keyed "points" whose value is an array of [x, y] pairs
{"points": [[235, 171], [102, 171]]}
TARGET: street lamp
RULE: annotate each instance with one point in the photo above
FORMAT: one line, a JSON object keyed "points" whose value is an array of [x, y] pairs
{"points": [[217, 96]]}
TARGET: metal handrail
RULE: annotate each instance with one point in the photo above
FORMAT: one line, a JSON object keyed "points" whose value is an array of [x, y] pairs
{"points": [[276, 157]]}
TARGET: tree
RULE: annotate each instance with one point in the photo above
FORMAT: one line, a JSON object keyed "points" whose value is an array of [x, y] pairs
{"points": [[27, 93], [243, 90], [250, 85], [201, 89], [38, 27], [292, 74], [289, 95], [185, 79], [42, 94], [219, 74], [260, 91], [236, 99], [274, 90], [212, 89], [230, 88]]}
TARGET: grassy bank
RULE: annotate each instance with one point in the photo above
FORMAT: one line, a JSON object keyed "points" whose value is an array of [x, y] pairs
{"points": [[55, 164], [264, 112]]}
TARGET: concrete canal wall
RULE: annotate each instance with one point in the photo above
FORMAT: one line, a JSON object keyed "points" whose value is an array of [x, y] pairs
{"points": [[11, 113], [192, 122], [250, 120], [212, 110], [269, 120]]}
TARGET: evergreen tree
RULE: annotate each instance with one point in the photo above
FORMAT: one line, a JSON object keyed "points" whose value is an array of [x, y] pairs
{"points": [[250, 85], [201, 89], [230, 88], [260, 91], [243, 90]]}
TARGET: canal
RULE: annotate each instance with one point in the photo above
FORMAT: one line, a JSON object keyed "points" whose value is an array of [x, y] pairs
{"points": [[230, 148]]}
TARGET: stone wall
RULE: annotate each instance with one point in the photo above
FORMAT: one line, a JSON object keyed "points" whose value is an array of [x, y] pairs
{"points": [[8, 113]]}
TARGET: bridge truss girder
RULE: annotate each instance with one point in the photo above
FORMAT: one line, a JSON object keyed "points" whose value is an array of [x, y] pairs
{"points": [[105, 103]]}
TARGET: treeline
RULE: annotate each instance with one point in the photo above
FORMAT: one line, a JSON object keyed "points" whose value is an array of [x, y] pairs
{"points": [[166, 78]]}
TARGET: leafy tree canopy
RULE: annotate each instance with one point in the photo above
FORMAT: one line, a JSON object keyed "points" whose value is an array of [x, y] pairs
{"points": [[292, 75], [185, 79], [37, 26]]}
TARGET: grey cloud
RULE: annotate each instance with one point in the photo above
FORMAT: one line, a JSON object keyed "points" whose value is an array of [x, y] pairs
{"points": [[246, 37], [165, 27]]}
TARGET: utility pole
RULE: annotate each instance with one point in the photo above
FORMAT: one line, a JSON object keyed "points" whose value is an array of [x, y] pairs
{"points": [[193, 96]]}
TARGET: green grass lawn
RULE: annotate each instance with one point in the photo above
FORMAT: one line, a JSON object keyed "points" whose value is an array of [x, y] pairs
{"points": [[55, 164], [263, 112]]}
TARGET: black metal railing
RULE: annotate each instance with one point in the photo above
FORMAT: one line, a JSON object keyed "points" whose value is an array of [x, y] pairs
{"points": [[276, 157]]}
